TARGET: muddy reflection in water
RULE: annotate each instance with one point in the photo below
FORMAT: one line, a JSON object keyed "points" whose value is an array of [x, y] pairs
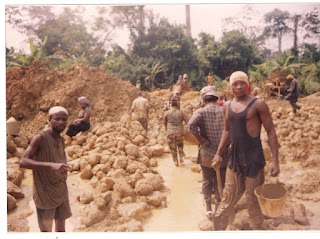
{"points": [[185, 203]]}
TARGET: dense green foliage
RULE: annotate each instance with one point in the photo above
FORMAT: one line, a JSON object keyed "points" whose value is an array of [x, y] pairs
{"points": [[160, 51]]}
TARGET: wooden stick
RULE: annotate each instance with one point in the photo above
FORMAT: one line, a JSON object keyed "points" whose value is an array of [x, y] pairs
{"points": [[219, 182]]}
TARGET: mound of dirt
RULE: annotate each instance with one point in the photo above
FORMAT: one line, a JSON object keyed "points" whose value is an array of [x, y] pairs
{"points": [[32, 91]]}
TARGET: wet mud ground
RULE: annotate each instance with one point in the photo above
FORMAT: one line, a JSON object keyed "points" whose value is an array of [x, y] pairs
{"points": [[185, 204]]}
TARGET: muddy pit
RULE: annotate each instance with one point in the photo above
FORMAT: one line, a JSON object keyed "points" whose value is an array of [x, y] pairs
{"points": [[123, 179]]}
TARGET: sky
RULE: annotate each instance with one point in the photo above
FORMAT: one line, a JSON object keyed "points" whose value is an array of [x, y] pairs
{"points": [[205, 17]]}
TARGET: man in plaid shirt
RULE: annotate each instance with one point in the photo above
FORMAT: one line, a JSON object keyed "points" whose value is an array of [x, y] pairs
{"points": [[207, 125]]}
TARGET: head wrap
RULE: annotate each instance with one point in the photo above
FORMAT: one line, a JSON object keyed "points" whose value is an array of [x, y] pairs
{"points": [[57, 109], [185, 76], [290, 77], [83, 99], [238, 75]]}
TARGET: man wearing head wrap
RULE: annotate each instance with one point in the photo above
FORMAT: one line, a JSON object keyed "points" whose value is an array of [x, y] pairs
{"points": [[46, 157], [140, 110], [293, 93], [206, 124], [83, 121], [244, 116]]}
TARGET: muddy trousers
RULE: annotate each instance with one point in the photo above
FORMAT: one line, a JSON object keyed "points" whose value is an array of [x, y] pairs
{"points": [[293, 100], [76, 128], [235, 186], [209, 182], [144, 123], [175, 142]]}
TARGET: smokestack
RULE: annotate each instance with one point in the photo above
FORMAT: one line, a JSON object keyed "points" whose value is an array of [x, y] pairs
{"points": [[188, 20]]}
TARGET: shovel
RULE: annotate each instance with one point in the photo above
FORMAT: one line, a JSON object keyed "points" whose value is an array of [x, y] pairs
{"points": [[219, 182], [220, 223]]}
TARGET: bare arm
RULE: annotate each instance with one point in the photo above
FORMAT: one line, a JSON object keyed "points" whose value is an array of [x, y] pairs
{"points": [[165, 121], [84, 119], [185, 118], [225, 137], [267, 122], [27, 161]]}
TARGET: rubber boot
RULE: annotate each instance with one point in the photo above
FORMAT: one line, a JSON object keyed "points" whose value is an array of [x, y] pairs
{"points": [[68, 140]]}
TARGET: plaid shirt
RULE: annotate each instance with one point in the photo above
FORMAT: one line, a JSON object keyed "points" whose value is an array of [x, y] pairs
{"points": [[209, 123]]}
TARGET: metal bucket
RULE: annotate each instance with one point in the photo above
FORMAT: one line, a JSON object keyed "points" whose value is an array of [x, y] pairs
{"points": [[271, 198]]}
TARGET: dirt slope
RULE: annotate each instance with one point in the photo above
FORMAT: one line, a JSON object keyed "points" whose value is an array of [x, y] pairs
{"points": [[31, 91]]}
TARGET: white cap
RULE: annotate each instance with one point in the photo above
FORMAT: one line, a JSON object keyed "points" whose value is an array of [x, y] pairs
{"points": [[238, 75], [57, 109]]}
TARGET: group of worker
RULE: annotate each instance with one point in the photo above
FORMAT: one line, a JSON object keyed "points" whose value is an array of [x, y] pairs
{"points": [[240, 168]]}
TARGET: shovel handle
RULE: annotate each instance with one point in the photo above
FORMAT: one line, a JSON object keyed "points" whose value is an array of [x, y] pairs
{"points": [[219, 182]]}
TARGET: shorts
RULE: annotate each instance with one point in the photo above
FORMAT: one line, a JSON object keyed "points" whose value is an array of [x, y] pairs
{"points": [[46, 216], [144, 123]]}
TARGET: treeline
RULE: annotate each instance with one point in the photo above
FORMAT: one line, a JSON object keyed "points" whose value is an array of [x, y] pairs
{"points": [[160, 51]]}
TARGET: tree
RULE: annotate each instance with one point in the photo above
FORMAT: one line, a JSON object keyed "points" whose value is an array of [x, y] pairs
{"points": [[305, 25], [36, 53], [26, 20], [236, 53], [133, 17], [311, 23], [68, 33], [167, 43], [245, 22], [277, 26], [296, 18], [11, 58], [104, 27], [121, 65], [152, 71], [207, 54], [310, 54]]}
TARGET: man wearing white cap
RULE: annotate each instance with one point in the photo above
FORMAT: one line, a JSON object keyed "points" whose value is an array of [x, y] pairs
{"points": [[46, 157], [207, 124], [244, 116]]}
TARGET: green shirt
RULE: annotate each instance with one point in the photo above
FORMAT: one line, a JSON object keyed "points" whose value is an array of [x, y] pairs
{"points": [[174, 121]]}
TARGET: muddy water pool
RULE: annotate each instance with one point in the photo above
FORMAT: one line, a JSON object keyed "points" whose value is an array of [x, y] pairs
{"points": [[185, 205]]}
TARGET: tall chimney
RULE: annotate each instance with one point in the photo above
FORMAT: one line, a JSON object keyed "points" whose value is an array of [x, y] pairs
{"points": [[188, 23]]}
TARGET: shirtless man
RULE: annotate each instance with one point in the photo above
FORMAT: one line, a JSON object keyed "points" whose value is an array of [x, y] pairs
{"points": [[244, 116], [140, 110], [46, 157]]}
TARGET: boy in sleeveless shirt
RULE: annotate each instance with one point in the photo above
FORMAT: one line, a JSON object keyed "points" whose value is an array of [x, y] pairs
{"points": [[46, 157], [244, 116]]}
